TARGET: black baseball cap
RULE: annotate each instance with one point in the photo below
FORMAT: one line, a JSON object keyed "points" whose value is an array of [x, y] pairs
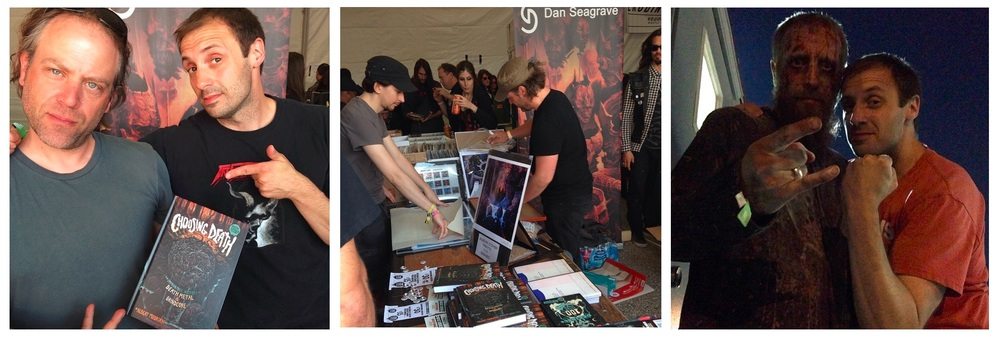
{"points": [[385, 69]]}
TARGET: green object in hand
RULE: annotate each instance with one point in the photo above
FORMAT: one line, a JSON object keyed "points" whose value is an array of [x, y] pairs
{"points": [[21, 128]]}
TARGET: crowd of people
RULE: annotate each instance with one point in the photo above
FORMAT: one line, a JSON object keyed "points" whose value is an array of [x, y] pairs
{"points": [[460, 101]]}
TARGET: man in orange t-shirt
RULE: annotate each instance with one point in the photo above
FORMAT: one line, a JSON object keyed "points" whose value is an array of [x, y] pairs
{"points": [[915, 220]]}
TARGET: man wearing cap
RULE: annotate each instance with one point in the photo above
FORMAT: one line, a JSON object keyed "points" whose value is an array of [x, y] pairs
{"points": [[561, 175], [366, 144], [83, 204], [348, 88]]}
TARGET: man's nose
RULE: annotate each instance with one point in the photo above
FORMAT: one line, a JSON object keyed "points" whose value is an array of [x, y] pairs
{"points": [[69, 94], [200, 80], [812, 74]]}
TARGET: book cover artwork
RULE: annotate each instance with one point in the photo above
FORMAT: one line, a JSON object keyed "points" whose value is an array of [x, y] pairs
{"points": [[490, 302], [187, 276], [571, 311], [450, 277]]}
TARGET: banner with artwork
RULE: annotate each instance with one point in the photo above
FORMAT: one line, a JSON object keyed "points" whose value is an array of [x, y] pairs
{"points": [[159, 92], [582, 49]]}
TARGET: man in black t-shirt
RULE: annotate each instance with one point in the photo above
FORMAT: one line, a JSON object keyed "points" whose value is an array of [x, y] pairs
{"points": [[560, 174], [256, 158]]}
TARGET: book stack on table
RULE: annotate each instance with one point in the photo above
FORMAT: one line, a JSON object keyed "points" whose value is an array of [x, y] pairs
{"points": [[551, 279], [444, 309]]}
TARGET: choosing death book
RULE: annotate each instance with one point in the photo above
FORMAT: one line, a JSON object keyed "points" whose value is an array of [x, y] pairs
{"points": [[187, 276], [490, 303], [448, 278]]}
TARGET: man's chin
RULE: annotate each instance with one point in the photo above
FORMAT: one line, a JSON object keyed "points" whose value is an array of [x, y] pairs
{"points": [[63, 141]]}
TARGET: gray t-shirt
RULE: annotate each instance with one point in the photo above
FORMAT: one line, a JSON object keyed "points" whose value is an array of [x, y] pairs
{"points": [[360, 126], [83, 237]]}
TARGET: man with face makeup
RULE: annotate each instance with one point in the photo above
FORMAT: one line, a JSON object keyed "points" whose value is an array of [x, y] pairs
{"points": [[754, 208], [914, 219]]}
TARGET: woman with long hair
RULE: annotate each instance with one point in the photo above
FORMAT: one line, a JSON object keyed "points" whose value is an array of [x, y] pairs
{"points": [[295, 82], [319, 92], [419, 108], [484, 80], [475, 104]]}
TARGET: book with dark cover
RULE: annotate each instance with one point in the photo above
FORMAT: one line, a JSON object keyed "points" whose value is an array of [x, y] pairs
{"points": [[456, 317], [490, 303], [187, 276], [448, 278], [517, 286], [536, 317], [571, 311]]}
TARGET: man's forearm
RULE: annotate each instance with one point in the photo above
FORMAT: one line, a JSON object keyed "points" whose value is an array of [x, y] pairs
{"points": [[523, 130], [880, 298], [315, 208], [357, 308], [409, 189], [407, 169], [536, 185]]}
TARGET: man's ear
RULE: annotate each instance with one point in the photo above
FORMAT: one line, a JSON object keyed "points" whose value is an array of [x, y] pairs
{"points": [[257, 53], [25, 61], [913, 108]]}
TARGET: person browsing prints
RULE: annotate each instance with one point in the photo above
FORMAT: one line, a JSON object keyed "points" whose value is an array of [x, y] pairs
{"points": [[366, 144], [560, 173]]}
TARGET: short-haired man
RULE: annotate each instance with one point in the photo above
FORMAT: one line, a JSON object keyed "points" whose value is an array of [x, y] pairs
{"points": [[560, 173], [915, 220], [641, 139], [257, 158], [366, 144], [448, 76], [83, 204], [762, 233]]}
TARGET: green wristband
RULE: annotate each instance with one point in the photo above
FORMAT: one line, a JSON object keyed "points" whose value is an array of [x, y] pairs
{"points": [[744, 214], [21, 128]]}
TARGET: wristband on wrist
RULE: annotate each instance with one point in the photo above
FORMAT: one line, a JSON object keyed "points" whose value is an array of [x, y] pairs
{"points": [[744, 214], [430, 213], [509, 136], [21, 129]]}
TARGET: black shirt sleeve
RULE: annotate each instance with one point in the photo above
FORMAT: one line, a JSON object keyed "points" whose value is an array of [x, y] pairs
{"points": [[546, 136], [358, 210], [705, 182]]}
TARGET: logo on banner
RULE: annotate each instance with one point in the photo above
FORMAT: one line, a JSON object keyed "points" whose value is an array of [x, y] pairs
{"points": [[529, 17]]}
